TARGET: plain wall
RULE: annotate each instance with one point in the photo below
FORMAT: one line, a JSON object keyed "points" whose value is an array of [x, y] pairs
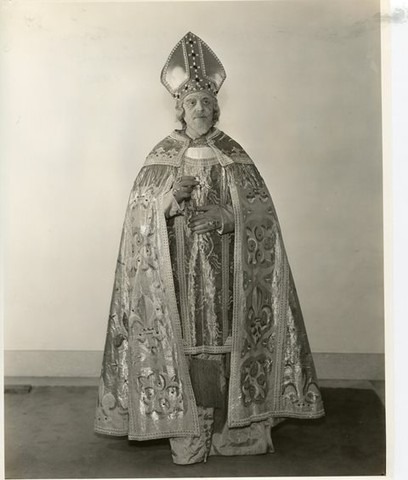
{"points": [[82, 105]]}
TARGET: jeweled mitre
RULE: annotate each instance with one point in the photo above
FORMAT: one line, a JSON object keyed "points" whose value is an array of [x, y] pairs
{"points": [[192, 67]]}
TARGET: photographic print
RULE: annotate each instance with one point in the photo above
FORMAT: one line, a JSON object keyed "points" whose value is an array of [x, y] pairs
{"points": [[194, 280]]}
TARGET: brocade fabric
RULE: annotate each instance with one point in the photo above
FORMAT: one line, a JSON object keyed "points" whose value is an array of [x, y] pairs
{"points": [[203, 264], [145, 389]]}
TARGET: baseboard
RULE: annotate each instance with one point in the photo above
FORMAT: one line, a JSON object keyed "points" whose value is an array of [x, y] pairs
{"points": [[87, 364], [350, 366]]}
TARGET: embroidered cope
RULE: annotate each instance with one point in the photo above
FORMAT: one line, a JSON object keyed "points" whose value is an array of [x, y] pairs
{"points": [[177, 293]]}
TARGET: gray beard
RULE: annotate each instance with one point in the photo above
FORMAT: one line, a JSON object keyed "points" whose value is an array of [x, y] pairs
{"points": [[201, 127]]}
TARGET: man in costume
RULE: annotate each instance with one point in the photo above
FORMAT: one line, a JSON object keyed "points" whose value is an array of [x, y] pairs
{"points": [[206, 343]]}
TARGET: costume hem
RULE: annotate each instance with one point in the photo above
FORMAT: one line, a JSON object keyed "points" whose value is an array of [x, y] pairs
{"points": [[280, 414], [149, 436], [107, 431]]}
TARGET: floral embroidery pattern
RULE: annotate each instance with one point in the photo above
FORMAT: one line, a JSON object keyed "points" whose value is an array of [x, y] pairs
{"points": [[246, 348], [257, 192], [142, 199], [165, 152], [259, 315], [109, 402], [302, 397], [247, 280], [160, 393], [259, 242], [232, 149], [147, 326], [143, 253], [254, 383], [269, 342]]}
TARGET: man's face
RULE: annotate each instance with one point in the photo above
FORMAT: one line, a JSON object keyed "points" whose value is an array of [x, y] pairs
{"points": [[199, 111]]}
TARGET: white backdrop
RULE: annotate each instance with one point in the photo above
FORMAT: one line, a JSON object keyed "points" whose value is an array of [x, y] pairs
{"points": [[82, 105]]}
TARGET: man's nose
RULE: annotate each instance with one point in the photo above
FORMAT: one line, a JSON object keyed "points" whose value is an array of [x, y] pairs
{"points": [[199, 106]]}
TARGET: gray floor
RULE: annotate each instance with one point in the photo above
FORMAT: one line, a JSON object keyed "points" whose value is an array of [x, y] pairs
{"points": [[49, 434]]}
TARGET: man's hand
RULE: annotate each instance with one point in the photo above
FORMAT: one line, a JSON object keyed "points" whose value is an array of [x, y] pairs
{"points": [[183, 187], [206, 219]]}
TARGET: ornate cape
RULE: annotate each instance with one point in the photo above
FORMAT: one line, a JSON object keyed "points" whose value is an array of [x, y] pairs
{"points": [[145, 391]]}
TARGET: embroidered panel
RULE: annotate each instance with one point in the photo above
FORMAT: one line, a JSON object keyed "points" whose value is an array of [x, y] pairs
{"points": [[272, 371], [167, 152], [247, 294], [202, 265], [170, 150], [145, 390], [231, 149]]}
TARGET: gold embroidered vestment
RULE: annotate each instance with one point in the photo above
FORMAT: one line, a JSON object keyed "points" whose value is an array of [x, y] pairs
{"points": [[176, 294]]}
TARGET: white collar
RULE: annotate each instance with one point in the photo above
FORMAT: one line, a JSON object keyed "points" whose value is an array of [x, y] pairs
{"points": [[200, 152]]}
